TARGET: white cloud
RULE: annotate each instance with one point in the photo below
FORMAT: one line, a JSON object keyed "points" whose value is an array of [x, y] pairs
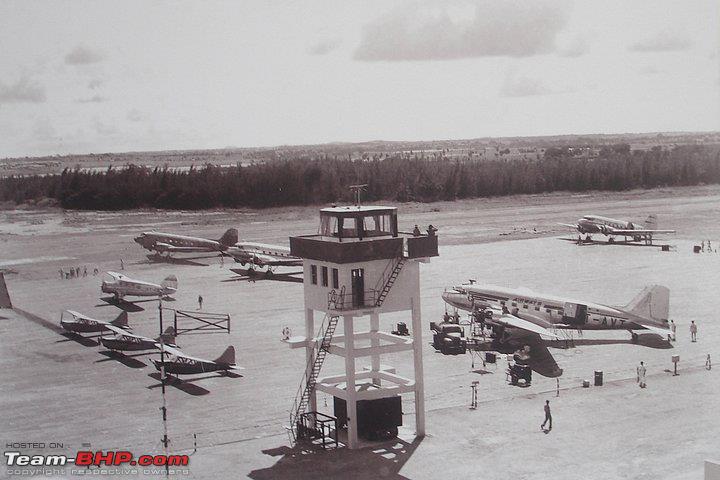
{"points": [[491, 28], [81, 55], [662, 42], [22, 91], [524, 86]]}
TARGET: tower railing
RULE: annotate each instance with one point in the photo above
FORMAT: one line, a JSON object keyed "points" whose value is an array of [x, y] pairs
{"points": [[307, 385]]}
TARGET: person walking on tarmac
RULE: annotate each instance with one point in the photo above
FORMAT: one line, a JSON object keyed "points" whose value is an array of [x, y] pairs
{"points": [[673, 327], [641, 371], [548, 417], [693, 331], [200, 300]]}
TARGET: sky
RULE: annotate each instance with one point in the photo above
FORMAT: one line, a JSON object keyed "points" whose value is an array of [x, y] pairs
{"points": [[107, 76]]}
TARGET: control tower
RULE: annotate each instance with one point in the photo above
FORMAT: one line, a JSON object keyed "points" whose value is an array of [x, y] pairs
{"points": [[357, 267]]}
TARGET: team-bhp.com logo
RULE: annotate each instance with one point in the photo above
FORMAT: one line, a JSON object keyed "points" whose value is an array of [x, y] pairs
{"points": [[20, 462]]}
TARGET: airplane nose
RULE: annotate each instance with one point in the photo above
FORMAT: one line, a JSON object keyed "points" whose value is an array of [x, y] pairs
{"points": [[456, 299], [138, 239]]}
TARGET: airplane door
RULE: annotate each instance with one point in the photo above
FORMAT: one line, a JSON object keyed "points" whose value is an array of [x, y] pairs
{"points": [[575, 313], [358, 287]]}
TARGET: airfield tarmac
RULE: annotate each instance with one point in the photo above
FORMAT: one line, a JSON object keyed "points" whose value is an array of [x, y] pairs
{"points": [[64, 390]]}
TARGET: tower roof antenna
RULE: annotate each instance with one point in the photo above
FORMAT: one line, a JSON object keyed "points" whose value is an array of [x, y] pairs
{"points": [[357, 189]]}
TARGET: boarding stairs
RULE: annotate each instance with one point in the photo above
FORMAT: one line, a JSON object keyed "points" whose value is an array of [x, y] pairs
{"points": [[307, 385], [392, 271]]}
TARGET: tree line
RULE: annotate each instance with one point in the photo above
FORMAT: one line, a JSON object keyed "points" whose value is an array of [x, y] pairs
{"points": [[307, 181]]}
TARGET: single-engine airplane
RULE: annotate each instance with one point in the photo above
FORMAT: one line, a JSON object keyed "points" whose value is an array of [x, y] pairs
{"points": [[73, 321], [180, 363], [611, 228], [263, 255], [126, 341], [120, 286], [170, 243]]}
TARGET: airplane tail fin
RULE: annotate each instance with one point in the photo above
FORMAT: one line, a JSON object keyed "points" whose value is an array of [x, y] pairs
{"points": [[170, 281], [168, 336], [121, 320], [228, 356], [651, 222], [652, 303], [229, 238]]}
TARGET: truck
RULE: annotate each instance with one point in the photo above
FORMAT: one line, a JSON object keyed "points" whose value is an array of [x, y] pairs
{"points": [[448, 338]]}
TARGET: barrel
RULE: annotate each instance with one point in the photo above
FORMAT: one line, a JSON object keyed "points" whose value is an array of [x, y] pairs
{"points": [[598, 378], [490, 357]]}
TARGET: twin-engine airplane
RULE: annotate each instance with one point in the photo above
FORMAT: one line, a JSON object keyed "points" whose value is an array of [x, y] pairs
{"points": [[73, 321], [170, 243], [121, 286], [126, 341], [611, 228], [520, 316], [263, 255], [180, 363]]}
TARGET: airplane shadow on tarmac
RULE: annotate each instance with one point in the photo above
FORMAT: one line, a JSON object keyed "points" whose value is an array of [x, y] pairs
{"points": [[130, 307], [128, 361], [182, 385], [307, 462], [245, 275], [76, 337], [647, 340]]}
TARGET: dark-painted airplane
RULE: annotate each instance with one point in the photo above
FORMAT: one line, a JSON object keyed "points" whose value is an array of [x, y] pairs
{"points": [[611, 228], [73, 321], [179, 363], [126, 341], [170, 243]]}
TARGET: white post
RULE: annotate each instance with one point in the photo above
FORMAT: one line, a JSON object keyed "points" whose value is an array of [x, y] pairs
{"points": [[351, 393], [310, 335], [417, 357], [375, 344]]}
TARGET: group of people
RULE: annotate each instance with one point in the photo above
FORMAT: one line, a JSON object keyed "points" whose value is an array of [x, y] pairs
{"points": [[693, 331], [430, 231], [707, 247], [75, 272]]}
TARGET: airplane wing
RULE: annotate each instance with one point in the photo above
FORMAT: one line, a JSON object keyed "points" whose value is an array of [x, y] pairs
{"points": [[516, 322], [176, 352], [166, 247], [118, 330], [571, 225]]}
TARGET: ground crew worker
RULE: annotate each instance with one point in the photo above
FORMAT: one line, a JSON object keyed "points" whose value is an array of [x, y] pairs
{"points": [[286, 332], [641, 371], [200, 300], [548, 417], [708, 363], [122, 264], [85, 271], [62, 274], [673, 327], [693, 331]]}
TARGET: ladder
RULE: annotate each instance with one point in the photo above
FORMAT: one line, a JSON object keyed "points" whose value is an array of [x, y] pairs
{"points": [[399, 262], [307, 385]]}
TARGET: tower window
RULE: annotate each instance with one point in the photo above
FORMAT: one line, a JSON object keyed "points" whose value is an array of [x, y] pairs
{"points": [[313, 274], [324, 276], [335, 278]]}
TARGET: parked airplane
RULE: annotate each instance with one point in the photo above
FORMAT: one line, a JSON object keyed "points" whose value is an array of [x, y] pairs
{"points": [[611, 228], [120, 286], [171, 243], [129, 341], [519, 317], [179, 363], [263, 255], [73, 321]]}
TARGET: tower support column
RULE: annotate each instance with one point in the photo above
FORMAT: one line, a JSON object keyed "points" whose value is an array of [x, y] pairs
{"points": [[419, 375], [351, 392], [375, 343]]}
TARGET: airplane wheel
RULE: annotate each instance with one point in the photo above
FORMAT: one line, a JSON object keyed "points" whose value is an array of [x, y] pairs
{"points": [[611, 240], [269, 273], [634, 338]]}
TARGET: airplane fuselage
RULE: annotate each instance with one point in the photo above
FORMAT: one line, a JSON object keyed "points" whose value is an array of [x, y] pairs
{"points": [[188, 366], [161, 242], [599, 224], [135, 288], [128, 343], [543, 309], [83, 325], [263, 254]]}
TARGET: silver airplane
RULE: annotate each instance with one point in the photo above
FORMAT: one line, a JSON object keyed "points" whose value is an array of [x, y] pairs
{"points": [[126, 341], [263, 255], [610, 227], [179, 363], [121, 286], [73, 321], [172, 243]]}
